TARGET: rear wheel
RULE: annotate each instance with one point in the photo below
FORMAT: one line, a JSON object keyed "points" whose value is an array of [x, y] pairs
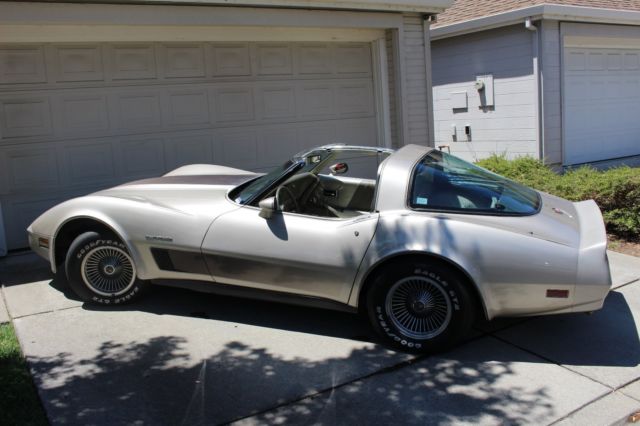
{"points": [[100, 270], [420, 307]]}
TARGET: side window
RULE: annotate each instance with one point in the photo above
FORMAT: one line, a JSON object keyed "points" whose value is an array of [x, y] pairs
{"points": [[445, 182], [358, 165], [349, 180]]}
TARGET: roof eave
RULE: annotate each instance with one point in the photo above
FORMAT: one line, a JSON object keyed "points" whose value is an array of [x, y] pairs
{"points": [[544, 11], [419, 6]]}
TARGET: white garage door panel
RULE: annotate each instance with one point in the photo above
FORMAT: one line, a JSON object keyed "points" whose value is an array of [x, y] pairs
{"points": [[602, 100], [33, 116], [78, 117], [89, 163]]}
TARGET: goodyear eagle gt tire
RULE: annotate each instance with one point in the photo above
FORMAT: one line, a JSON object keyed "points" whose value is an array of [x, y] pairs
{"points": [[100, 270], [420, 307]]}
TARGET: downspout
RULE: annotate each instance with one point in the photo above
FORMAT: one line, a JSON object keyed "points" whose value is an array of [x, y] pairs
{"points": [[537, 70]]}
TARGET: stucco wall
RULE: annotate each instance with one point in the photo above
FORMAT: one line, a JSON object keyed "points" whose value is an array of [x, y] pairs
{"points": [[511, 125]]}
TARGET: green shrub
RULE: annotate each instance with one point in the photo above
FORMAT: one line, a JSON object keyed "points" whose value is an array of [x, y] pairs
{"points": [[617, 191]]}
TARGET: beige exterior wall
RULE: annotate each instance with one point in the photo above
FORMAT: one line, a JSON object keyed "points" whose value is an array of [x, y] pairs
{"points": [[416, 98], [550, 70], [409, 83], [392, 60]]}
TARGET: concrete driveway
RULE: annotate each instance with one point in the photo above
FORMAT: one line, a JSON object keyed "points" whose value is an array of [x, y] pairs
{"points": [[183, 358]]}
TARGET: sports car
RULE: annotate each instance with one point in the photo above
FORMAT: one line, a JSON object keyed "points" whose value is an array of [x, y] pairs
{"points": [[418, 240]]}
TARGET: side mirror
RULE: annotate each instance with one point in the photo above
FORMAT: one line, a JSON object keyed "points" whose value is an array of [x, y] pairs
{"points": [[267, 207]]}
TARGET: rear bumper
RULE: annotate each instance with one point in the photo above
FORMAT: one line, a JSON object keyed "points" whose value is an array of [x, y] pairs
{"points": [[593, 281]]}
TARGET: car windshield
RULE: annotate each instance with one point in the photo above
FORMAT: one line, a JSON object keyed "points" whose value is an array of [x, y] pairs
{"points": [[444, 182], [360, 161], [256, 186], [298, 164]]}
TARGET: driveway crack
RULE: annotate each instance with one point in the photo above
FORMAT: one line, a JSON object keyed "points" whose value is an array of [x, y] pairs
{"points": [[45, 312], [551, 361]]}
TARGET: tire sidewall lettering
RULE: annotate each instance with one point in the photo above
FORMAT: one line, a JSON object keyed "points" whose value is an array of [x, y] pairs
{"points": [[386, 326], [93, 244], [82, 252], [116, 300]]}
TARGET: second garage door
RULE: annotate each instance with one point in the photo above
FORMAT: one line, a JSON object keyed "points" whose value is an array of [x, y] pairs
{"points": [[78, 117], [601, 104]]}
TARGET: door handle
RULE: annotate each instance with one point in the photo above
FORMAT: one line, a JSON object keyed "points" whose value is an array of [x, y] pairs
{"points": [[330, 193]]}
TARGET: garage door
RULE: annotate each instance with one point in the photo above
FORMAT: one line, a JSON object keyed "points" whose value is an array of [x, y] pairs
{"points": [[78, 117], [602, 101]]}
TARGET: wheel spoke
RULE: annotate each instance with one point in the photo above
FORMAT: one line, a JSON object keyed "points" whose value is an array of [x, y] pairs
{"points": [[108, 271], [419, 307]]}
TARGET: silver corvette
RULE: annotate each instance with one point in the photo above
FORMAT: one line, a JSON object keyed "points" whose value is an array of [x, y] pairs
{"points": [[420, 241]]}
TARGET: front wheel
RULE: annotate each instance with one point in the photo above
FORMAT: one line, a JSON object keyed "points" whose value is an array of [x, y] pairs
{"points": [[420, 307], [100, 270]]}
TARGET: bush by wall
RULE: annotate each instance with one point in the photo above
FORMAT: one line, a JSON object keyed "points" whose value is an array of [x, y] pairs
{"points": [[617, 191]]}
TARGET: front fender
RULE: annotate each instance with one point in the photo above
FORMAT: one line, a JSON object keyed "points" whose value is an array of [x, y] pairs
{"points": [[56, 218], [102, 210]]}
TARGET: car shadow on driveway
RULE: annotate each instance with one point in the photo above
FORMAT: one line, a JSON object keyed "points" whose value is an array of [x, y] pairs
{"points": [[175, 301], [190, 379], [608, 337], [572, 339], [187, 363]]}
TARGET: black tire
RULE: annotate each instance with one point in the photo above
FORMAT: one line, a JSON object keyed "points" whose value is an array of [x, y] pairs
{"points": [[100, 270], [406, 305]]}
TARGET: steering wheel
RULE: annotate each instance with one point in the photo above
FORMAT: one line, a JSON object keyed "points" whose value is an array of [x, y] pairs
{"points": [[285, 199], [314, 193]]}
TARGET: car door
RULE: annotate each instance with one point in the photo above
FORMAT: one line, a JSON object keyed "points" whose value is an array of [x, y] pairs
{"points": [[290, 252]]}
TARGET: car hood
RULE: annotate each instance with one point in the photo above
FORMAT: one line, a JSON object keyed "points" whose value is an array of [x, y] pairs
{"points": [[169, 181], [190, 194]]}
